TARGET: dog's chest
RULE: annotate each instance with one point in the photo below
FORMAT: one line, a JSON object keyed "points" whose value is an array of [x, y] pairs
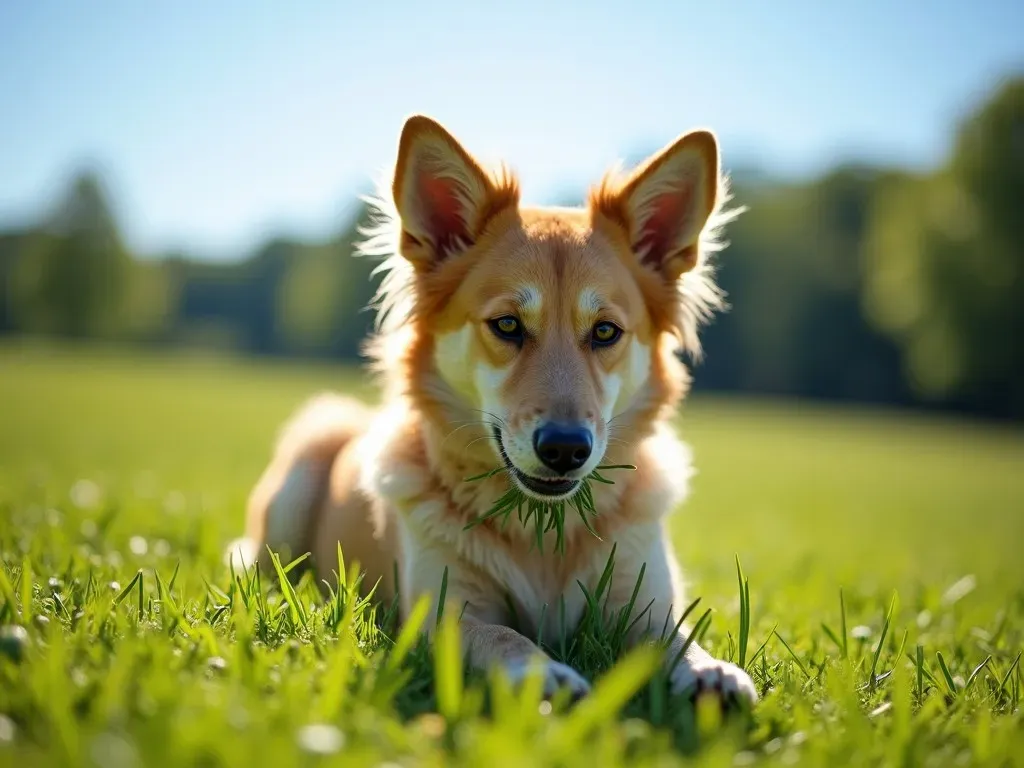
{"points": [[545, 611], [545, 596], [539, 592]]}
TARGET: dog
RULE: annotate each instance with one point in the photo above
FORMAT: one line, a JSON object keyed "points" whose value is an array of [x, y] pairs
{"points": [[544, 341]]}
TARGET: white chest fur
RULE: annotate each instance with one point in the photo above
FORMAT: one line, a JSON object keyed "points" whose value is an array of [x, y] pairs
{"points": [[536, 591]]}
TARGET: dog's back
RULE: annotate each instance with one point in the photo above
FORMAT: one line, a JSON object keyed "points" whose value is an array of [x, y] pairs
{"points": [[284, 505]]}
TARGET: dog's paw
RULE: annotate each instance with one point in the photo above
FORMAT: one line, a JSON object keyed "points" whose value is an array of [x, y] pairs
{"points": [[709, 675], [555, 676]]}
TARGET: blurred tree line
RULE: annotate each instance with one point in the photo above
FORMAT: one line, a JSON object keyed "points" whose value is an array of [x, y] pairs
{"points": [[868, 284]]}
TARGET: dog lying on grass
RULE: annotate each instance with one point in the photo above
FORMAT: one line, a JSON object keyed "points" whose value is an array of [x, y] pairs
{"points": [[540, 341]]}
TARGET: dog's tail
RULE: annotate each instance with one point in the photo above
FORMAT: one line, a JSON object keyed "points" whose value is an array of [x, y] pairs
{"points": [[285, 503]]}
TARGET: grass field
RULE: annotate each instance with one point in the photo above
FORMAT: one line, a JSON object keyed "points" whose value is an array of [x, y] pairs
{"points": [[883, 553]]}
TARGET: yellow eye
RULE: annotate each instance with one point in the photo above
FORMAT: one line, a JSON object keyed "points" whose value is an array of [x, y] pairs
{"points": [[507, 328], [605, 334]]}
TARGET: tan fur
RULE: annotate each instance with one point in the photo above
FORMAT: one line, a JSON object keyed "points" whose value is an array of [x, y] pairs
{"points": [[461, 250]]}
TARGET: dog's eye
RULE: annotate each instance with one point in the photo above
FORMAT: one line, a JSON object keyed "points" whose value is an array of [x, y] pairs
{"points": [[508, 328], [605, 334]]}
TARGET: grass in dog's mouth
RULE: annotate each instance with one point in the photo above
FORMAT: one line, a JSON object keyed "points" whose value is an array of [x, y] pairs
{"points": [[545, 516]]}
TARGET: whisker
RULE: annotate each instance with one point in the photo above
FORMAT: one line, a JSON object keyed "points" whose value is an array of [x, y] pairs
{"points": [[616, 428], [618, 441], [477, 440], [496, 419], [462, 426], [468, 421], [481, 437], [452, 433]]}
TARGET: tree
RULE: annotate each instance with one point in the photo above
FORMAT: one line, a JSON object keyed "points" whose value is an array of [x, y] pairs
{"points": [[945, 265], [71, 273], [793, 278]]}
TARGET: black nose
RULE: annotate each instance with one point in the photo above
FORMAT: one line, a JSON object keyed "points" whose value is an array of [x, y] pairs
{"points": [[561, 448]]}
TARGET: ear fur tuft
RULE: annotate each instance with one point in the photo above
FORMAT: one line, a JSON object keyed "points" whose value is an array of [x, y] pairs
{"points": [[672, 211], [665, 203], [442, 194]]}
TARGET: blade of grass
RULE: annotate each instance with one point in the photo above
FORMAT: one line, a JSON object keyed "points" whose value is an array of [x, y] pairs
{"points": [[830, 633], [442, 595], [920, 672], [945, 673], [698, 629], [26, 590], [7, 591], [296, 610], [1009, 673], [842, 624], [127, 590], [881, 640], [610, 694], [744, 613], [448, 669], [974, 674], [760, 648], [792, 653]]}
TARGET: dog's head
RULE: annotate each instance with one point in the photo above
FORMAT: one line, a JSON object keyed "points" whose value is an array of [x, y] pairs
{"points": [[554, 327]]}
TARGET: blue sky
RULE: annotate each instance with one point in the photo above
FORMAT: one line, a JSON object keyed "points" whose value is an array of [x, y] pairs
{"points": [[218, 123]]}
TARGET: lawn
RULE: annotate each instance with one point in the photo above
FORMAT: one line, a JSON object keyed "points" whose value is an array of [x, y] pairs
{"points": [[882, 553]]}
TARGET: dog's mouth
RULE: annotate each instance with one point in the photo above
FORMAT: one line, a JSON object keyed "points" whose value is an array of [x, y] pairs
{"points": [[547, 488], [553, 489]]}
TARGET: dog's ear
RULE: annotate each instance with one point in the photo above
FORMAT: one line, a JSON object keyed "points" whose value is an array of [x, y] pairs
{"points": [[443, 196], [666, 202]]}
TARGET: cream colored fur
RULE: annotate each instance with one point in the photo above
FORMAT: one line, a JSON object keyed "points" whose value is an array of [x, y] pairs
{"points": [[388, 484]]}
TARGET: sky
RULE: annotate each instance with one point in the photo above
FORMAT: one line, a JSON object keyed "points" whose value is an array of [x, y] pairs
{"points": [[218, 124]]}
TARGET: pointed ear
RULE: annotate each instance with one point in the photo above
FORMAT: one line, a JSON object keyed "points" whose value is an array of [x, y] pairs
{"points": [[666, 202], [442, 194]]}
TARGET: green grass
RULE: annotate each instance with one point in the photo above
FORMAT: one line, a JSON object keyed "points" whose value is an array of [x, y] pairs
{"points": [[877, 599], [546, 517]]}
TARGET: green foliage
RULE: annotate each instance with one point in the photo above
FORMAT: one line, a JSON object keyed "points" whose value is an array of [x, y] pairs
{"points": [[866, 284], [792, 272], [70, 278], [309, 297], [879, 572], [945, 264]]}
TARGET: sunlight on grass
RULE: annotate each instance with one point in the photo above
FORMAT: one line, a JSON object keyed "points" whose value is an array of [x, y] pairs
{"points": [[863, 567]]}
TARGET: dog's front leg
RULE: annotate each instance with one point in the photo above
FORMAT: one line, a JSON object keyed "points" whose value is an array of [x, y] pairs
{"points": [[661, 594], [487, 640], [488, 645]]}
